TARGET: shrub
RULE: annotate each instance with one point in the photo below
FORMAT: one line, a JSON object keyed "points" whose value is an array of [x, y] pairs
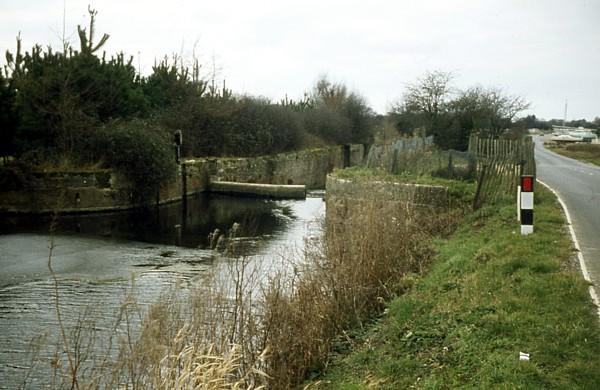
{"points": [[8, 116], [139, 150], [328, 124], [225, 125]]}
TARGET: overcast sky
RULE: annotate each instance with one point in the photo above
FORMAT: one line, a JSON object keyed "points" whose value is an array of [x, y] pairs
{"points": [[547, 51]]}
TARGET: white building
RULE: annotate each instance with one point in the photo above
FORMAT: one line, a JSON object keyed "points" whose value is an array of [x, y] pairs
{"points": [[573, 134]]}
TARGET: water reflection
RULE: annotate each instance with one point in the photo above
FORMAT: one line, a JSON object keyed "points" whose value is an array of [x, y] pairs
{"points": [[180, 224], [95, 257]]}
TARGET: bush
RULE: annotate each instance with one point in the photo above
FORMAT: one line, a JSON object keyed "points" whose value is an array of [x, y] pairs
{"points": [[230, 126], [141, 151], [50, 100], [8, 116], [338, 115], [328, 124], [258, 127]]}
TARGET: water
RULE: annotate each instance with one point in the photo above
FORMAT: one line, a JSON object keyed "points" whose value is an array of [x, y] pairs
{"points": [[97, 257]]}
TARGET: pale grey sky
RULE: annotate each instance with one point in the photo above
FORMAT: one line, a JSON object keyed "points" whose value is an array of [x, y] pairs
{"points": [[545, 50]]}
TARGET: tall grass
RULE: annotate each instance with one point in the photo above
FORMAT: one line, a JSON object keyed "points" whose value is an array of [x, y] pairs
{"points": [[344, 282], [489, 294], [247, 327]]}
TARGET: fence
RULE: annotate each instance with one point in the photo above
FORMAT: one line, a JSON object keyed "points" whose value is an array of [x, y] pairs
{"points": [[500, 163], [385, 156], [414, 156], [497, 164]]}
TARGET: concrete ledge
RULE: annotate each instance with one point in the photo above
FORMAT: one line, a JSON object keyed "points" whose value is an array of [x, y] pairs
{"points": [[348, 199], [254, 189], [414, 194]]}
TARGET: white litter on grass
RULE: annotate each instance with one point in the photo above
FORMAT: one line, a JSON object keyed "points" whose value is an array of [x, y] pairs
{"points": [[523, 356]]}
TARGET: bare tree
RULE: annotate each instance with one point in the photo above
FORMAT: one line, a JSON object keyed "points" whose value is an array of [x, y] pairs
{"points": [[429, 94], [487, 109], [332, 95], [87, 40], [451, 115]]}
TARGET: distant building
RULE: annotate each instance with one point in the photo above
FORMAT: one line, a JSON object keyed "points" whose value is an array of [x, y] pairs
{"points": [[573, 134]]}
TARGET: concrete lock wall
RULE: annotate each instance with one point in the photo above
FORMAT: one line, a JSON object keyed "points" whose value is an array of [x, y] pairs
{"points": [[346, 198], [306, 167], [89, 191], [43, 192], [104, 190]]}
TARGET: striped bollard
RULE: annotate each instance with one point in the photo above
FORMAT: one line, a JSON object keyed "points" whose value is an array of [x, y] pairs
{"points": [[527, 204]]}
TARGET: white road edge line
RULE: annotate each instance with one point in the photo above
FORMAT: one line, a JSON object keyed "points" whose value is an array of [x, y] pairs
{"points": [[582, 265]]}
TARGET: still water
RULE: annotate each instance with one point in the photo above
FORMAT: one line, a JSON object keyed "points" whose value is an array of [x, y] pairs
{"points": [[97, 257]]}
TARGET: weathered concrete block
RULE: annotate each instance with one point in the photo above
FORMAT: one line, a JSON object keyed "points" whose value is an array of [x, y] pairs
{"points": [[348, 198], [83, 191], [254, 189]]}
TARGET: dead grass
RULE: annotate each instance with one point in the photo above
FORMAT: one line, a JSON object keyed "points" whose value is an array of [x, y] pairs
{"points": [[342, 285], [489, 295], [583, 152], [239, 329]]}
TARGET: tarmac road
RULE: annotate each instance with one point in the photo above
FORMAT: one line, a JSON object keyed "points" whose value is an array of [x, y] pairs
{"points": [[578, 184]]}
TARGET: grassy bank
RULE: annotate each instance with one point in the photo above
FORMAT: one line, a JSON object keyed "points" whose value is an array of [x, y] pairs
{"points": [[249, 323], [489, 295], [583, 152]]}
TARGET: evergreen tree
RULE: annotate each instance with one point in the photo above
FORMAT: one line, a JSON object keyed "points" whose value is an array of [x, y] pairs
{"points": [[8, 117]]}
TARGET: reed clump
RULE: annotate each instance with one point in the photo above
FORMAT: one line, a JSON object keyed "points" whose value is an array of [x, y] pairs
{"points": [[345, 281], [247, 326]]}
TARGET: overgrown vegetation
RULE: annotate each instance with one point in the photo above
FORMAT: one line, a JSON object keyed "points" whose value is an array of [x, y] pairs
{"points": [[339, 289], [138, 149], [435, 106], [490, 294], [248, 327], [72, 105], [584, 152], [432, 105]]}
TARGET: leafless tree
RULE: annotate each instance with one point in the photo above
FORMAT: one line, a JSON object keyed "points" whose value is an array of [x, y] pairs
{"points": [[429, 94]]}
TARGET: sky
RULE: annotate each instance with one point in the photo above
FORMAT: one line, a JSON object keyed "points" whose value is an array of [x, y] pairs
{"points": [[547, 51]]}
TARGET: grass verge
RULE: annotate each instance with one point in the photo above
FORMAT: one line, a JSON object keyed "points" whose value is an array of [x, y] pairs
{"points": [[584, 152], [490, 294]]}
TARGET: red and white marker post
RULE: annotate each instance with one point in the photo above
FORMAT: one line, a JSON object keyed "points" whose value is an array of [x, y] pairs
{"points": [[526, 204]]}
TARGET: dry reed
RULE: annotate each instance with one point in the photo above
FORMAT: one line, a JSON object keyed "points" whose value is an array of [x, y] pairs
{"points": [[344, 282], [239, 329]]}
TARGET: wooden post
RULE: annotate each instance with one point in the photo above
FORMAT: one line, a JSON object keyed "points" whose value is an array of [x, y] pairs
{"points": [[476, 200]]}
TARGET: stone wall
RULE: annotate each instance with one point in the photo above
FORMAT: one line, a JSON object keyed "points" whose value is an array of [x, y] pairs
{"points": [[103, 190], [307, 167], [43, 192], [346, 198]]}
